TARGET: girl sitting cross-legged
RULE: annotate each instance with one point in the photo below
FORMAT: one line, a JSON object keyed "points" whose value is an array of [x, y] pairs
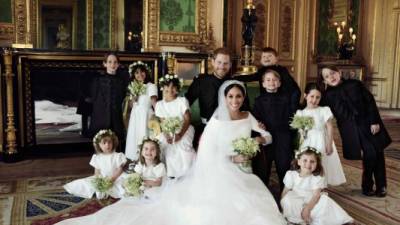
{"points": [[303, 201], [108, 164]]}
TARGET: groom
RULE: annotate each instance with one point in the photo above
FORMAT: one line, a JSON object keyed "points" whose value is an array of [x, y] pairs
{"points": [[205, 88]]}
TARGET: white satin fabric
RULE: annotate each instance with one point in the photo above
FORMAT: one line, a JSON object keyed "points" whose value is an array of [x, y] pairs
{"points": [[213, 192]]}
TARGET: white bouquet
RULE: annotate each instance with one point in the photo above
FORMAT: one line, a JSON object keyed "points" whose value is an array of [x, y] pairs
{"points": [[302, 124], [133, 185], [246, 146], [171, 125], [102, 184], [136, 89]]}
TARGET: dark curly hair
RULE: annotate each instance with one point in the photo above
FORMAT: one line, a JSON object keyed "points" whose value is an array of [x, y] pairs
{"points": [[157, 159]]}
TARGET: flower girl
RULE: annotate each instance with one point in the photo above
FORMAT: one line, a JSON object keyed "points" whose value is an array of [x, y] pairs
{"points": [[142, 97], [177, 133], [150, 167], [320, 135], [302, 200], [108, 168]]}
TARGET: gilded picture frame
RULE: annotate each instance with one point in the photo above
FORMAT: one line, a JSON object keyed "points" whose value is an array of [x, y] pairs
{"points": [[157, 18]]}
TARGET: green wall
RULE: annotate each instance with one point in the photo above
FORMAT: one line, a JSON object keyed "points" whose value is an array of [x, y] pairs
{"points": [[178, 16], [101, 24], [5, 11], [81, 26]]}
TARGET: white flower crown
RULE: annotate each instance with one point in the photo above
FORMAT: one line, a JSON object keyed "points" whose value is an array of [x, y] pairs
{"points": [[167, 77], [299, 152], [146, 139], [136, 64], [101, 133]]}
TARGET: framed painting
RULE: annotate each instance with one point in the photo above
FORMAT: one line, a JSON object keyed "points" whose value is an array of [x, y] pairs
{"points": [[174, 23]]}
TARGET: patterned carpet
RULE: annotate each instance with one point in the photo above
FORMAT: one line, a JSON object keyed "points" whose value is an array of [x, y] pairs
{"points": [[42, 201]]}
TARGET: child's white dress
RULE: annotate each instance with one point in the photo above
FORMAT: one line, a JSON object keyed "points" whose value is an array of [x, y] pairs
{"points": [[316, 138], [151, 173], [140, 114], [325, 212], [179, 155], [107, 164]]}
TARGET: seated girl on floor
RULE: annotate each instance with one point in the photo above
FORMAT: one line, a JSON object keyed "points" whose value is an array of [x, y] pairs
{"points": [[302, 200], [177, 133], [150, 167], [108, 166]]}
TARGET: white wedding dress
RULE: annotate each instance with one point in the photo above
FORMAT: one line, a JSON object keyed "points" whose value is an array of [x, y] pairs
{"points": [[214, 191]]}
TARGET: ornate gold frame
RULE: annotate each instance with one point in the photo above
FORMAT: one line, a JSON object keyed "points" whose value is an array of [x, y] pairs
{"points": [[154, 38], [37, 17]]}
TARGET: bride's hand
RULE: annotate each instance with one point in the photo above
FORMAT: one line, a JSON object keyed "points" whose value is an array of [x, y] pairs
{"points": [[239, 159]]}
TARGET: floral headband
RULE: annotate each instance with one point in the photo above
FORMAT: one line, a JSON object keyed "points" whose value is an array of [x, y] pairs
{"points": [[170, 77], [134, 66], [147, 139], [298, 153], [101, 134]]}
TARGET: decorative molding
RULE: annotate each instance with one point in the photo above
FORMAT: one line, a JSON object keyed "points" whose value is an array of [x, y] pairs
{"points": [[113, 24], [6, 33], [151, 15], [287, 29], [35, 23], [154, 38], [89, 24], [20, 21]]}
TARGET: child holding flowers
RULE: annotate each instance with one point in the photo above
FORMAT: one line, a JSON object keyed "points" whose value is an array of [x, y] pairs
{"points": [[320, 134], [108, 168], [141, 98], [150, 168], [177, 133], [302, 200]]}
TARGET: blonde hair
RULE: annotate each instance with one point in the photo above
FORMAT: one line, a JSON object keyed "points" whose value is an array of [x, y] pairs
{"points": [[276, 74]]}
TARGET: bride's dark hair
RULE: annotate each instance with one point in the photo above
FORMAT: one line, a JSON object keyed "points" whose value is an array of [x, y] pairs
{"points": [[229, 87]]}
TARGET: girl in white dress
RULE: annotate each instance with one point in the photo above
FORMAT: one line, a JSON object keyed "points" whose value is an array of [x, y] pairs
{"points": [[107, 163], [214, 191], [302, 200], [150, 167], [142, 109], [177, 148], [320, 135]]}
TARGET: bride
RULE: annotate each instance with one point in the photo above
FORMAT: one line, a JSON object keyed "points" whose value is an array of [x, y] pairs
{"points": [[215, 190]]}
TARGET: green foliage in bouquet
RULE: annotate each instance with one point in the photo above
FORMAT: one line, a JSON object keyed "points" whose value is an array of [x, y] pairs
{"points": [[136, 88], [133, 185], [246, 146], [171, 125], [302, 122], [102, 184]]}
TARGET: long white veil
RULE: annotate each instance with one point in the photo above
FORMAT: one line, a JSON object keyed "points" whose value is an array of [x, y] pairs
{"points": [[222, 113]]}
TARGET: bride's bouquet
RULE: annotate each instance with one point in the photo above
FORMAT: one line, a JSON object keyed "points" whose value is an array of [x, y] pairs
{"points": [[135, 89], [102, 184], [133, 185], [302, 124], [246, 146], [171, 125]]}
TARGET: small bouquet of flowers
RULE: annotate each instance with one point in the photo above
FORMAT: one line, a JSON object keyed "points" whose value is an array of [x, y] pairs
{"points": [[133, 185], [302, 124], [102, 184], [246, 146], [136, 89], [171, 125]]}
